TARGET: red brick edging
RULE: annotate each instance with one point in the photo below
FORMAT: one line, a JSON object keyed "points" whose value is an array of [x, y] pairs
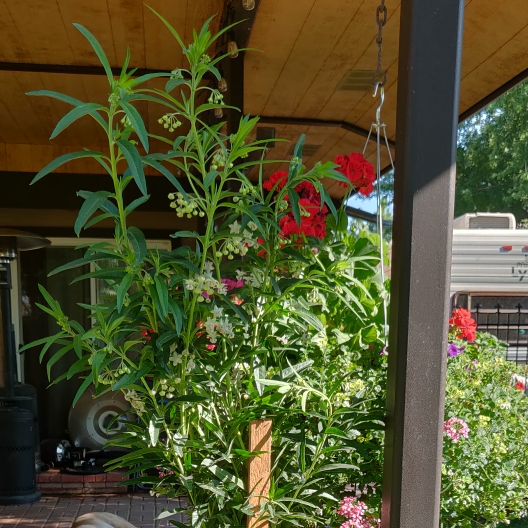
{"points": [[53, 482]]}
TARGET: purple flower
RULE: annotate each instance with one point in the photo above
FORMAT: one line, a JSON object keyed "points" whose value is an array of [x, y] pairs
{"points": [[473, 366], [453, 350], [384, 351]]}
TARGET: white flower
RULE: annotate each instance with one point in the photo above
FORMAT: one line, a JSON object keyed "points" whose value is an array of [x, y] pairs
{"points": [[185, 353], [235, 228], [217, 312], [252, 226], [175, 358], [172, 349], [208, 266], [190, 366], [283, 340], [209, 368]]}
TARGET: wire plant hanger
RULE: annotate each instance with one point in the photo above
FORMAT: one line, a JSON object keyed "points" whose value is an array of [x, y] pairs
{"points": [[378, 127]]}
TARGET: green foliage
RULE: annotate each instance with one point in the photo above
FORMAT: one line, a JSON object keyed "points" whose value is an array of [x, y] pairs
{"points": [[485, 476], [492, 157], [246, 324]]}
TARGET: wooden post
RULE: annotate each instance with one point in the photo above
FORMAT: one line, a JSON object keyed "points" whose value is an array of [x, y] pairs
{"points": [[259, 468]]}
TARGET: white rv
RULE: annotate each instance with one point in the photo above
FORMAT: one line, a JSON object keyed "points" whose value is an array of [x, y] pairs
{"points": [[489, 276]]}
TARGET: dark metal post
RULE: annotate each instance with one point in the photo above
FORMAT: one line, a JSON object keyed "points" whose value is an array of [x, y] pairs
{"points": [[7, 325], [427, 116]]}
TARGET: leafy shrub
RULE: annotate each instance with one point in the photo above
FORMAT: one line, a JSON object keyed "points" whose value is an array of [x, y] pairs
{"points": [[484, 477]]}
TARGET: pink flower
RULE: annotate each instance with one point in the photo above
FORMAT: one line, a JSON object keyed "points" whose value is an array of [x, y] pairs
{"points": [[354, 510], [455, 428]]}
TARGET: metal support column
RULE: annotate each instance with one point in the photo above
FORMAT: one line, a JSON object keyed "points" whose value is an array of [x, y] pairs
{"points": [[427, 116]]}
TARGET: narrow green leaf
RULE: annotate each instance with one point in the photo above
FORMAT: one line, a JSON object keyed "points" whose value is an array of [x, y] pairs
{"points": [[163, 294], [136, 203], [123, 289], [237, 309], [210, 178], [276, 288], [336, 468], [77, 345], [173, 83], [139, 244], [132, 377], [70, 100], [297, 151], [98, 218], [185, 234], [144, 78], [222, 474], [80, 365], [57, 95], [98, 51], [85, 384], [73, 115], [116, 274], [154, 430], [168, 174], [309, 318], [171, 29], [134, 162], [61, 160], [87, 210], [80, 262], [295, 369], [51, 341], [137, 123], [56, 357], [294, 201], [33, 344], [177, 314]]}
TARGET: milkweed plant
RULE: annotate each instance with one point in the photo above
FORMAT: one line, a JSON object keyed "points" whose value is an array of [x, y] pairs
{"points": [[240, 324]]}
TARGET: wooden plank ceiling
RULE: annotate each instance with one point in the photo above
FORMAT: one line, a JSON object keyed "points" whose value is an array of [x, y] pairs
{"points": [[307, 48]]}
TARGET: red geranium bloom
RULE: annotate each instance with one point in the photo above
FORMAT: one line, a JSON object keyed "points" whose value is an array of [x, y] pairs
{"points": [[462, 325], [359, 172], [519, 385], [313, 225], [280, 177], [313, 221]]}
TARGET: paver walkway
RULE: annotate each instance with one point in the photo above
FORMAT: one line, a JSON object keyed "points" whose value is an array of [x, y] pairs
{"points": [[59, 512]]}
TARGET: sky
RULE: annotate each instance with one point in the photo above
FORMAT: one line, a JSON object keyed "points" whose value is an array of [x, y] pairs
{"points": [[365, 204]]}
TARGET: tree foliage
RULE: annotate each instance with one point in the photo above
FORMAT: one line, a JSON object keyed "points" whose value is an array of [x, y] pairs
{"points": [[492, 157]]}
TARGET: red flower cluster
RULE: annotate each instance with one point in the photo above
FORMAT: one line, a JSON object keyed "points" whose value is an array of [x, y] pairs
{"points": [[313, 216], [146, 336], [358, 171], [462, 325], [519, 385], [280, 177]]}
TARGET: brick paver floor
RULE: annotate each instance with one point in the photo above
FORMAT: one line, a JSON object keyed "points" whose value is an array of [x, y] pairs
{"points": [[59, 512]]}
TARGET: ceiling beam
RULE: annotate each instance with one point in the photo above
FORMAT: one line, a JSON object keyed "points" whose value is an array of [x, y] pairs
{"points": [[68, 69], [512, 83], [302, 121], [372, 218]]}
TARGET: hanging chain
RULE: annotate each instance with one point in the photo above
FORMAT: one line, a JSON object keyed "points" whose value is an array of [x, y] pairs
{"points": [[380, 76]]}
